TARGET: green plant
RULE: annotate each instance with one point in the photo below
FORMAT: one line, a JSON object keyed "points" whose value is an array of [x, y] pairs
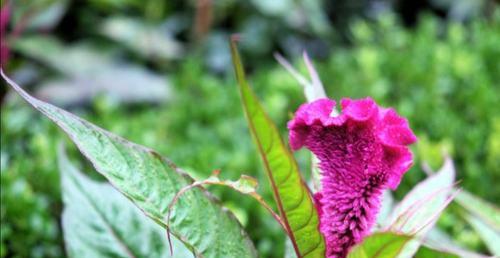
{"points": [[206, 229]]}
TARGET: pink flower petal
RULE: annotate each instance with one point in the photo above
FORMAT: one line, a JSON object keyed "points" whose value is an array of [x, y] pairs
{"points": [[361, 151]]}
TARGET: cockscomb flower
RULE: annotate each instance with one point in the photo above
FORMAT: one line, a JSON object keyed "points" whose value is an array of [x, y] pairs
{"points": [[361, 152]]}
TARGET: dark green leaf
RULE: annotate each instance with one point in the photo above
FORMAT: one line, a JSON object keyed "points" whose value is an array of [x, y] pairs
{"points": [[151, 182], [293, 198]]}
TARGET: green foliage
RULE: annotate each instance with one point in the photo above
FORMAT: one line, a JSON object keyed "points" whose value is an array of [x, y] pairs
{"points": [[417, 213], [426, 252], [293, 199], [483, 217], [95, 226], [30, 202], [150, 181], [389, 244], [443, 77], [380, 245]]}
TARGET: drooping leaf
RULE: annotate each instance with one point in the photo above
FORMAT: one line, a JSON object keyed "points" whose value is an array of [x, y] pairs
{"points": [[419, 210], [379, 245], [100, 222], [151, 182], [488, 234], [293, 199]]}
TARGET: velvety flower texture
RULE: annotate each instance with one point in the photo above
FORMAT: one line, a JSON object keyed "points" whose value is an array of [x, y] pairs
{"points": [[362, 151]]}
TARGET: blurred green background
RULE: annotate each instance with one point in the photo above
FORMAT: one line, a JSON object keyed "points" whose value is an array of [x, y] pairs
{"points": [[158, 73]]}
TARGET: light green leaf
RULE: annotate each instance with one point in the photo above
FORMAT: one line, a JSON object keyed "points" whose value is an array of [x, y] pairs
{"points": [[148, 40], [100, 222], [426, 252], [151, 182], [385, 208], [482, 209], [112, 78], [484, 217], [246, 185], [49, 50], [439, 240], [419, 210], [313, 90], [384, 244], [294, 200], [489, 234]]}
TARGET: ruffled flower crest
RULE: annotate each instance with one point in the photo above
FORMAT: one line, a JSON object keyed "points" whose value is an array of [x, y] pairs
{"points": [[362, 151]]}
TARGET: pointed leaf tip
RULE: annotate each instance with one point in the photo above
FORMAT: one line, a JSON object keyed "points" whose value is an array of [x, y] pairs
{"points": [[150, 181], [292, 196]]}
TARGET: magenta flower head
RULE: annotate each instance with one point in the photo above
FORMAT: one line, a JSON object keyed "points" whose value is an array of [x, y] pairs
{"points": [[362, 151]]}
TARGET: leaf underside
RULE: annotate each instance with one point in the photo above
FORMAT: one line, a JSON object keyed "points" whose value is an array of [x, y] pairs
{"points": [[151, 182], [294, 201], [107, 227]]}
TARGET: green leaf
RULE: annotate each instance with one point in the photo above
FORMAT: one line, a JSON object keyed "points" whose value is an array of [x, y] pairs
{"points": [[151, 182], [246, 185], [426, 252], [420, 209], [49, 50], [294, 200], [147, 40], [100, 222], [482, 209], [489, 234], [385, 208], [385, 244], [484, 217], [440, 240]]}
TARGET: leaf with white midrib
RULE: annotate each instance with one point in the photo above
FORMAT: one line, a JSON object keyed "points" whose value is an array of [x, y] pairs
{"points": [[151, 182]]}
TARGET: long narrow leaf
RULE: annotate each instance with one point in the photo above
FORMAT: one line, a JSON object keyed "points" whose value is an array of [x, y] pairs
{"points": [[294, 201], [151, 182]]}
